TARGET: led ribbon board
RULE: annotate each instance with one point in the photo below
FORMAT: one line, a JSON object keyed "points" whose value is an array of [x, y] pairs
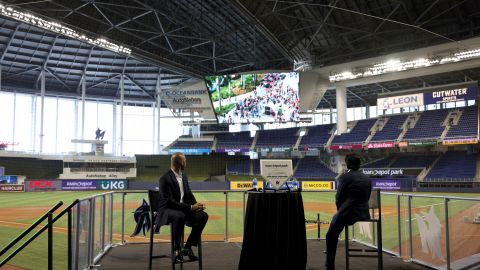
{"points": [[60, 29]]}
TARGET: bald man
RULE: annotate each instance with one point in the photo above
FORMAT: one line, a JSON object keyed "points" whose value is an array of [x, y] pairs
{"points": [[178, 206]]}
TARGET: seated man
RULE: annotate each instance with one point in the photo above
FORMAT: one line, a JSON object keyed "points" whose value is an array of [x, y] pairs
{"points": [[352, 197], [178, 206]]}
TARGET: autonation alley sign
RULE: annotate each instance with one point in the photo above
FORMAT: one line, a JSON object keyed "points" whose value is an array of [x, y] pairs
{"points": [[193, 100]]}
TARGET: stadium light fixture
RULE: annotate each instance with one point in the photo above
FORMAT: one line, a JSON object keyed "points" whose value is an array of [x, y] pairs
{"points": [[395, 65], [60, 29]]}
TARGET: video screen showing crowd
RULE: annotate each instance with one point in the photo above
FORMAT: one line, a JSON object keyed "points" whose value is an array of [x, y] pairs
{"points": [[255, 98]]}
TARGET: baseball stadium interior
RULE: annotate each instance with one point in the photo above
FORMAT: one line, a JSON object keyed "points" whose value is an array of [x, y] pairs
{"points": [[96, 96]]}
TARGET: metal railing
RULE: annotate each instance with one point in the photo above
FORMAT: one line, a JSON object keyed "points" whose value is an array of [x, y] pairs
{"points": [[49, 226], [436, 231]]}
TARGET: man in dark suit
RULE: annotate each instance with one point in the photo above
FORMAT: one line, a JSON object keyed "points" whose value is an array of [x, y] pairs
{"points": [[352, 197], [178, 206]]}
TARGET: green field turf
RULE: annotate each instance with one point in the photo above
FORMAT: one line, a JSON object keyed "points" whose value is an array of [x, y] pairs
{"points": [[216, 227]]}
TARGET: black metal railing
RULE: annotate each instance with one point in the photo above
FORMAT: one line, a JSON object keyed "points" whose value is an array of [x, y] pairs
{"points": [[49, 226]]}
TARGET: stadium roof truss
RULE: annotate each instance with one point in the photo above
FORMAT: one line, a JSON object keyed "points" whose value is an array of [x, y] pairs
{"points": [[173, 41]]}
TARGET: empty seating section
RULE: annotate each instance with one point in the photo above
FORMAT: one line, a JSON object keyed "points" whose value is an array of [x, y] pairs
{"points": [[277, 138], [382, 163], [192, 144], [31, 167], [467, 125], [256, 167], [234, 140], [317, 136], [391, 130], [312, 168], [454, 166], [413, 161], [239, 166], [429, 126], [358, 134]]}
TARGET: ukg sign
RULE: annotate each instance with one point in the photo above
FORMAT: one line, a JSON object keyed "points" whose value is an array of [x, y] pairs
{"points": [[380, 145], [412, 100], [112, 184], [79, 185], [386, 184], [451, 95]]}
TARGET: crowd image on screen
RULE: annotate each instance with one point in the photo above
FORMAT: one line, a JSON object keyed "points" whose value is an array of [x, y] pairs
{"points": [[275, 98]]}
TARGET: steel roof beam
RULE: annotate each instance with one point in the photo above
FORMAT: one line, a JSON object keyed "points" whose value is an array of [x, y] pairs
{"points": [[9, 42], [58, 78], [263, 30], [137, 84]]}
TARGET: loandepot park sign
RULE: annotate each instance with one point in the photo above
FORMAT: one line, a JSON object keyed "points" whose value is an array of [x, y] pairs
{"points": [[191, 97], [431, 97]]}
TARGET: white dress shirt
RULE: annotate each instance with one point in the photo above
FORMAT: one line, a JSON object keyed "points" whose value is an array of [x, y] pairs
{"points": [[180, 184]]}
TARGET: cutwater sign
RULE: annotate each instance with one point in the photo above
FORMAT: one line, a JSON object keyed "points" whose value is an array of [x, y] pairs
{"points": [[451, 95], [112, 184]]}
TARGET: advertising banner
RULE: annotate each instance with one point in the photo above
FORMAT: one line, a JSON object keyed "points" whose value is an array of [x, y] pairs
{"points": [[412, 100], [402, 144], [112, 184], [42, 185], [386, 184], [12, 188], [422, 143], [318, 185], [346, 146], [79, 184], [460, 141], [244, 185], [233, 150], [391, 172], [9, 179], [380, 145], [192, 98], [452, 95], [187, 151], [276, 171]]}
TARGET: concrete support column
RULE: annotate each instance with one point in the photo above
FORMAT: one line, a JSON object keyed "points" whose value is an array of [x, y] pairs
{"points": [[367, 111], [114, 132], [42, 107], [122, 96], [341, 93], [84, 93], [159, 107]]}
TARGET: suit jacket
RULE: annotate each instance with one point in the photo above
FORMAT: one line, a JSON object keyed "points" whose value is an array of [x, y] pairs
{"points": [[352, 197], [170, 196]]}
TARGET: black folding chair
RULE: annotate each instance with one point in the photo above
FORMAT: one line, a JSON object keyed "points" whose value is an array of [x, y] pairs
{"points": [[373, 203], [153, 198]]}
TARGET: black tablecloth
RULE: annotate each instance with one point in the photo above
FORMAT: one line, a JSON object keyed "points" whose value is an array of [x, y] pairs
{"points": [[274, 235]]}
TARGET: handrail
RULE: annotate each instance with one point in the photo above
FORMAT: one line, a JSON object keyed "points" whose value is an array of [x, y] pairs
{"points": [[29, 229], [45, 227]]}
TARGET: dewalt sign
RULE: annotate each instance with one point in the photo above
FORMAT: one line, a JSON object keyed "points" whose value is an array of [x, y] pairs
{"points": [[244, 185]]}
